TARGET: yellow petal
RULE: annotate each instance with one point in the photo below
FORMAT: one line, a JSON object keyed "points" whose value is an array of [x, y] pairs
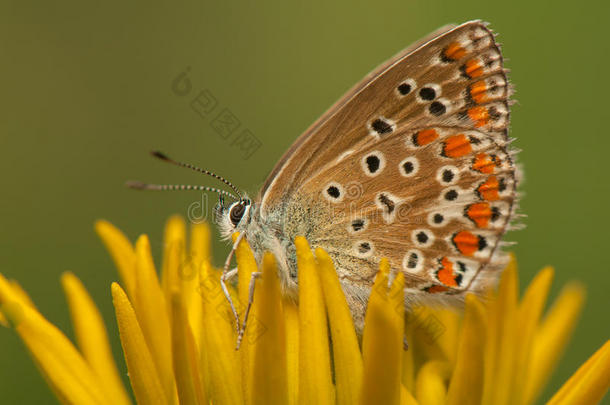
{"points": [[529, 314], [246, 266], [21, 295], [424, 329], [200, 242], [189, 380], [92, 338], [551, 338], [467, 378], [430, 328], [408, 361], [430, 386], [382, 341], [173, 268], [143, 374], [121, 251], [315, 382], [589, 384], [218, 342], [406, 398], [446, 340], [500, 348], [269, 384], [151, 310], [291, 320], [346, 351], [63, 367], [199, 252]]}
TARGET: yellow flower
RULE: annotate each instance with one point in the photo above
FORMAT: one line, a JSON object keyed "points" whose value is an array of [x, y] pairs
{"points": [[178, 336]]}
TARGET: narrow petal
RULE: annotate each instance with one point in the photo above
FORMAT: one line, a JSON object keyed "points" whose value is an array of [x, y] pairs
{"points": [[200, 242], [269, 384], [122, 252], [65, 370], [143, 374], [450, 319], [467, 377], [173, 267], [149, 304], [189, 381], [500, 348], [346, 351], [408, 360], [430, 328], [246, 266], [22, 296], [291, 320], [382, 341], [218, 343], [92, 338], [552, 337], [406, 398], [424, 328], [430, 386], [315, 382], [199, 253], [529, 314], [589, 384]]}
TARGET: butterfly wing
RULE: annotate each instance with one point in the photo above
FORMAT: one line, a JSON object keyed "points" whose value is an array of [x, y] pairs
{"points": [[412, 165]]}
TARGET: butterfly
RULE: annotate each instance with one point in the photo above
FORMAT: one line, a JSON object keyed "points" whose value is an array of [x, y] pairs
{"points": [[413, 164]]}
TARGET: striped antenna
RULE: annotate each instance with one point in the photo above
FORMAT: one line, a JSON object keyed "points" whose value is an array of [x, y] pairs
{"points": [[164, 157], [176, 187]]}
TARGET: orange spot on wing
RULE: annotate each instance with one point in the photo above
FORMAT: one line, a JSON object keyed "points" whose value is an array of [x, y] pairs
{"points": [[434, 289], [425, 136], [479, 213], [483, 163], [454, 51], [445, 273], [473, 68], [478, 92], [479, 115], [489, 189], [466, 242], [457, 146]]}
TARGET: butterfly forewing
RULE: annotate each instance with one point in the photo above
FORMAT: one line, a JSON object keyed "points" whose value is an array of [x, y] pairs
{"points": [[413, 165]]}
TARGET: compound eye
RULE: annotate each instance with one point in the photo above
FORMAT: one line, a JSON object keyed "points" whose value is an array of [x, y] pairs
{"points": [[236, 213]]}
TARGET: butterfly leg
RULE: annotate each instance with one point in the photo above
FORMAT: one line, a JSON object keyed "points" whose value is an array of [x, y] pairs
{"points": [[229, 274], [242, 330], [226, 276]]}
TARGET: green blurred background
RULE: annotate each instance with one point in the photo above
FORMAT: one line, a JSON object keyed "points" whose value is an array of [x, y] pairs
{"points": [[86, 93]]}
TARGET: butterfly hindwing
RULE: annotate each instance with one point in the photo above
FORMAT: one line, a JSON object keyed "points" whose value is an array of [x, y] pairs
{"points": [[436, 210]]}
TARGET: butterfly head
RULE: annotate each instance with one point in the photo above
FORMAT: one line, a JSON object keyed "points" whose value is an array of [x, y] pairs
{"points": [[233, 217]]}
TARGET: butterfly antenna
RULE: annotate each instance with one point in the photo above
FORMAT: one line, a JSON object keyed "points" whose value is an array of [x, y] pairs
{"points": [[164, 157], [177, 187]]}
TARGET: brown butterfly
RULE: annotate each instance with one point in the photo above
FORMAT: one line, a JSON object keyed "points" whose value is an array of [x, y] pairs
{"points": [[413, 164]]}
